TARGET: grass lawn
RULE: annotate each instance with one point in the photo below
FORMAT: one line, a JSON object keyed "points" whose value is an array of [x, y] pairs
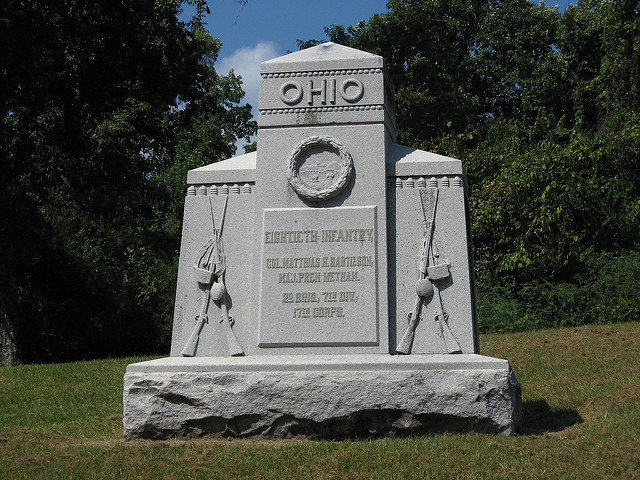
{"points": [[581, 393]]}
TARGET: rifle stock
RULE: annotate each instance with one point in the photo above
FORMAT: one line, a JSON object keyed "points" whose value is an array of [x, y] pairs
{"points": [[450, 341], [191, 346], [404, 346], [235, 349]]}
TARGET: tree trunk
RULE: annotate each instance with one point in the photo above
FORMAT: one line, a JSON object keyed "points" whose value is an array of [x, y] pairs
{"points": [[9, 338]]}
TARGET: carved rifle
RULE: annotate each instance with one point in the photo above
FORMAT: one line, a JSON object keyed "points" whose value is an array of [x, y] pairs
{"points": [[442, 318], [427, 286], [423, 287], [191, 346], [210, 272], [436, 273], [226, 320]]}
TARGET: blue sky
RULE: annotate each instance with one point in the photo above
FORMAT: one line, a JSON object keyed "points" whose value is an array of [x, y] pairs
{"points": [[264, 29], [261, 30]]}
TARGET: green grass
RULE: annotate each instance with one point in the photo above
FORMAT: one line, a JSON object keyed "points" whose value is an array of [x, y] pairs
{"points": [[581, 392]]}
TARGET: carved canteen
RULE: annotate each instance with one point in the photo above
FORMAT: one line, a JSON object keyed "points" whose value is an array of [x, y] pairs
{"points": [[319, 168]]}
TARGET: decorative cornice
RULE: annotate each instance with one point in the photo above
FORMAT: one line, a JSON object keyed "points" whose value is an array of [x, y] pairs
{"points": [[221, 189], [324, 73], [421, 182], [352, 108]]}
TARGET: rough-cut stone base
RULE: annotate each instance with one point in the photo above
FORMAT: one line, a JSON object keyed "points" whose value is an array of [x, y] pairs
{"points": [[332, 396]]}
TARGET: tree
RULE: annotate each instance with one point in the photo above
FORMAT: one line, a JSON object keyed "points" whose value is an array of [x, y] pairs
{"points": [[101, 101], [601, 47], [543, 110], [426, 46], [516, 71], [543, 207], [458, 66]]}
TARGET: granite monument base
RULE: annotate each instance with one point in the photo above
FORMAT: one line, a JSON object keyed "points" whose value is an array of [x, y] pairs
{"points": [[320, 396]]}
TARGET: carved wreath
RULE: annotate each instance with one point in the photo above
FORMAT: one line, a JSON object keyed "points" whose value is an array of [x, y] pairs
{"points": [[319, 181]]}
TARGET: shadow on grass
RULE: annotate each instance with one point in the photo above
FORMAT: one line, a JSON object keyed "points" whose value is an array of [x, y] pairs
{"points": [[538, 417]]}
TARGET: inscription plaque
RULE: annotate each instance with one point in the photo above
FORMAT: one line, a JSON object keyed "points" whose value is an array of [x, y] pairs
{"points": [[318, 280]]}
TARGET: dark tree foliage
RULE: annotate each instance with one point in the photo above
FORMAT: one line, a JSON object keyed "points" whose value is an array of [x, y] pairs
{"points": [[426, 46], [104, 107], [458, 64], [543, 109]]}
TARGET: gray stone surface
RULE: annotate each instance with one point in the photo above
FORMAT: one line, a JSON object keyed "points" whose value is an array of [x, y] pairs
{"points": [[237, 236], [320, 286], [359, 128], [451, 237], [321, 397], [326, 84], [323, 242], [272, 289], [240, 169]]}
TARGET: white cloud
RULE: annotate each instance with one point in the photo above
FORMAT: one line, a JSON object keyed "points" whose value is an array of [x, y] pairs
{"points": [[246, 63]]}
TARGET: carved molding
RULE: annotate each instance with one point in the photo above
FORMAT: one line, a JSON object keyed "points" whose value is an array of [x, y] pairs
{"points": [[422, 182], [319, 168], [221, 189], [323, 73], [351, 108]]}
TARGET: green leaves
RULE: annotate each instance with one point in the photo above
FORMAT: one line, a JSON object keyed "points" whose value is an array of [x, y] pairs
{"points": [[541, 107], [542, 212], [105, 105]]}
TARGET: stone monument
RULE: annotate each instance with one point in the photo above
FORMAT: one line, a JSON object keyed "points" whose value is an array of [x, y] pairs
{"points": [[325, 284]]}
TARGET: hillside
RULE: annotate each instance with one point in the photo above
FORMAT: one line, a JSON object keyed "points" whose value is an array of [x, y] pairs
{"points": [[581, 393]]}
